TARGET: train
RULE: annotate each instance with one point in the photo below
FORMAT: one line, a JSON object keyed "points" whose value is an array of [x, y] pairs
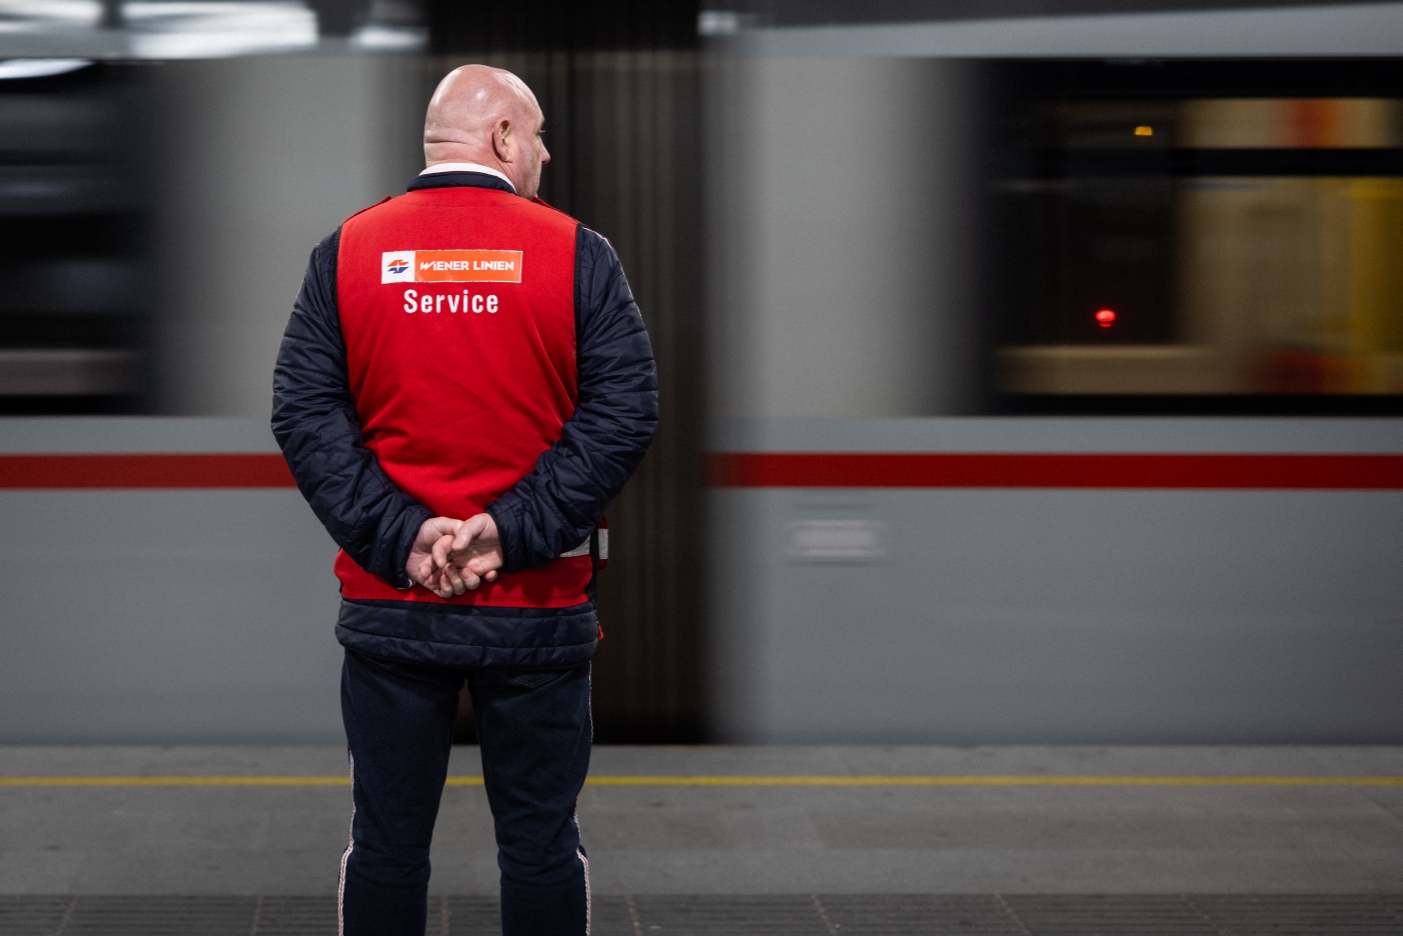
{"points": [[1027, 379], [1022, 328]]}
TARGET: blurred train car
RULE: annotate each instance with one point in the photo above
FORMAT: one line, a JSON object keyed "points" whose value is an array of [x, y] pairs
{"points": [[1056, 370], [157, 214], [165, 170], [1050, 366]]}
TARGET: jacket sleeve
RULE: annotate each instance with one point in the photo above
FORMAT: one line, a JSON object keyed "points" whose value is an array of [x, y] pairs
{"points": [[315, 424], [555, 507]]}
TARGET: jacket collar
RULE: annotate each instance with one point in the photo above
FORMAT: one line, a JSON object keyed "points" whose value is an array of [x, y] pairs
{"points": [[457, 179]]}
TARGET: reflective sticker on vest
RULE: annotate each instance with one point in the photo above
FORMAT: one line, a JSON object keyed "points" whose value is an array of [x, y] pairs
{"points": [[450, 266]]}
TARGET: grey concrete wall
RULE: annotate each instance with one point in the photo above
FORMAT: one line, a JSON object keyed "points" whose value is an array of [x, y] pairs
{"points": [[1060, 616], [163, 616], [842, 235], [260, 158]]}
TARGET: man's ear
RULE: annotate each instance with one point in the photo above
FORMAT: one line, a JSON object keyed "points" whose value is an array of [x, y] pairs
{"points": [[502, 141]]}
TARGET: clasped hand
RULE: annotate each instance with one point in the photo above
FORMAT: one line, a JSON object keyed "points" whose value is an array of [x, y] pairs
{"points": [[451, 556]]}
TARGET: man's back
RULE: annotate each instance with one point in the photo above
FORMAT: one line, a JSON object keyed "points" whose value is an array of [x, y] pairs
{"points": [[457, 306], [389, 417]]}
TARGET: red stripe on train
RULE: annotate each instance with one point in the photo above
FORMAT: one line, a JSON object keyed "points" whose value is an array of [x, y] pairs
{"points": [[930, 470], [241, 470], [786, 469]]}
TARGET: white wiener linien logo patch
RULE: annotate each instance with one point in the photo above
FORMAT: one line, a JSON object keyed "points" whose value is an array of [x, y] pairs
{"points": [[450, 266]]}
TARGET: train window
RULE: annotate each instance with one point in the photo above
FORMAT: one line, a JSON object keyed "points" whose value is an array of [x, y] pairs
{"points": [[72, 254], [1219, 235]]}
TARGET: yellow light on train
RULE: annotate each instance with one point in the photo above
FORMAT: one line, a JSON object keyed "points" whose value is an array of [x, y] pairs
{"points": [[1144, 130]]}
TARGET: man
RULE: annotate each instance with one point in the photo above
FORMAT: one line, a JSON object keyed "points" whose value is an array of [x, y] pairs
{"points": [[464, 385]]}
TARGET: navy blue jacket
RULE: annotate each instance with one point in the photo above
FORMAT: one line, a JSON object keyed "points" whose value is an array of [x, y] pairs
{"points": [[560, 501]]}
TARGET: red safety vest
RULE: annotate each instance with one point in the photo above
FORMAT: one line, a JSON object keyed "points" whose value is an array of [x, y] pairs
{"points": [[458, 311]]}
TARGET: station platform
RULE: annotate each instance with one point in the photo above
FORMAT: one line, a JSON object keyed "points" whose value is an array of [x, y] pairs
{"points": [[717, 839]]}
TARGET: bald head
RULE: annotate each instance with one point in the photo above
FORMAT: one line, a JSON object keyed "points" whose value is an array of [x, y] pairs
{"points": [[487, 116]]}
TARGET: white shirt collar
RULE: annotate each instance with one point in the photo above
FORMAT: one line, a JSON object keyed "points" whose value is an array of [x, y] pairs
{"points": [[467, 167]]}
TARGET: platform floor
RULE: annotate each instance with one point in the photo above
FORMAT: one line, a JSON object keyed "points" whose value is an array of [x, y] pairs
{"points": [[809, 915], [728, 852]]}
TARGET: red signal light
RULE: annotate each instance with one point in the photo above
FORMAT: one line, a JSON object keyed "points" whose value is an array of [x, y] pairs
{"points": [[1105, 317]]}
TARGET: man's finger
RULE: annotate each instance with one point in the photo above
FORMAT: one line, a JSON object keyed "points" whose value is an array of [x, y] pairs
{"points": [[455, 577], [440, 551], [482, 564], [464, 539], [428, 575], [440, 584]]}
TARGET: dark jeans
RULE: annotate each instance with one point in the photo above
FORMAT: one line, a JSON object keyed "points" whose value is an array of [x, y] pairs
{"points": [[534, 729]]}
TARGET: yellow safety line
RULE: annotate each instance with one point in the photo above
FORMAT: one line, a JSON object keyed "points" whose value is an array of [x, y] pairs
{"points": [[1073, 780], [997, 781], [174, 781]]}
